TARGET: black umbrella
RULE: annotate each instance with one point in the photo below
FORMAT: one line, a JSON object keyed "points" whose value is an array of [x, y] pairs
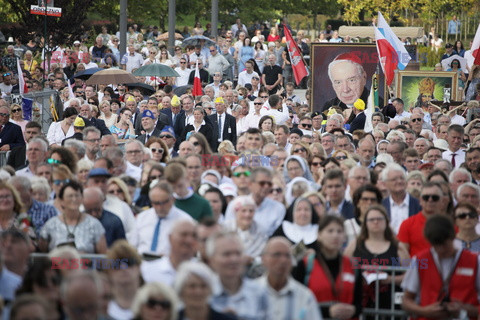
{"points": [[86, 74], [182, 90], [143, 87]]}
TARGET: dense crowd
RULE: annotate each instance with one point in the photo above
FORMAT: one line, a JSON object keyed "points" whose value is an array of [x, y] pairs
{"points": [[246, 202]]}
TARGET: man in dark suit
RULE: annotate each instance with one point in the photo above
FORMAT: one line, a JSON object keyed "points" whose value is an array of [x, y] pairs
{"points": [[161, 119], [11, 135], [224, 125], [399, 204], [334, 186], [173, 112], [358, 123], [148, 125], [183, 117], [18, 155], [86, 114]]}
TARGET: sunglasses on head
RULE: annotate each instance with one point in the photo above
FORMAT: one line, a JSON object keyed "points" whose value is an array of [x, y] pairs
{"points": [[239, 174], [164, 304], [427, 197], [463, 216]]}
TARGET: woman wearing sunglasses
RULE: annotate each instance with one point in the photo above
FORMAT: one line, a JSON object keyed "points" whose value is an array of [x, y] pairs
{"points": [[155, 301], [16, 116], [159, 150], [466, 219]]}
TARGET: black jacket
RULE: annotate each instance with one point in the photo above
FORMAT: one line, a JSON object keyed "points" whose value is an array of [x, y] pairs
{"points": [[229, 128], [12, 135]]}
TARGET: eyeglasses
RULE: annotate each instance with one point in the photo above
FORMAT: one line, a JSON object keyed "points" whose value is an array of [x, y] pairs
{"points": [[242, 173], [263, 97], [155, 150], [159, 203], [299, 150], [316, 164], [463, 216], [16, 110], [291, 117], [152, 52], [133, 151], [306, 125], [209, 108], [417, 120], [7, 74], [427, 197], [340, 158], [277, 190], [164, 304], [58, 182], [93, 140], [258, 103], [4, 114], [178, 49], [151, 178], [213, 50], [53, 161], [182, 62], [265, 183], [377, 219]]}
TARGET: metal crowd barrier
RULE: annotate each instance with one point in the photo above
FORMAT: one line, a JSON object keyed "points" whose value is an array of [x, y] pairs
{"points": [[378, 313]]}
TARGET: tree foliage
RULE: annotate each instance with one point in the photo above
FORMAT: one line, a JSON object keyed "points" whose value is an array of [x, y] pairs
{"points": [[62, 30]]}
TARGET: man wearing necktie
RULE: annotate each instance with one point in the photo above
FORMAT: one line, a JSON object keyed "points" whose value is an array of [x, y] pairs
{"points": [[225, 125], [454, 154], [154, 224]]}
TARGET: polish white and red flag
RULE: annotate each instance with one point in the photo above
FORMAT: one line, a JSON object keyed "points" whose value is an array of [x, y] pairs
{"points": [[197, 84]]}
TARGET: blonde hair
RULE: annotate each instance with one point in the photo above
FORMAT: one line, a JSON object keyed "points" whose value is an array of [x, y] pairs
{"points": [[123, 186], [154, 289]]}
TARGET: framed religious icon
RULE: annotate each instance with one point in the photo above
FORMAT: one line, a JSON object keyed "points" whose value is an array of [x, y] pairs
{"points": [[342, 73], [417, 88]]}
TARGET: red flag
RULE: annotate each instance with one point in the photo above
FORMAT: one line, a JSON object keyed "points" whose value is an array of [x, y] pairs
{"points": [[298, 66], [22, 86], [197, 84], [387, 55]]}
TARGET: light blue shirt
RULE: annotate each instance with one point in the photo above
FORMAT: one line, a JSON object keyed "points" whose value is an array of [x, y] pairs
{"points": [[249, 303]]}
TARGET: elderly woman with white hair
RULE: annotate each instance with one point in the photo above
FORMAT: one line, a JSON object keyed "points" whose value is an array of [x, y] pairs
{"points": [[194, 285], [395, 135], [155, 301], [40, 189], [253, 240], [74, 102]]}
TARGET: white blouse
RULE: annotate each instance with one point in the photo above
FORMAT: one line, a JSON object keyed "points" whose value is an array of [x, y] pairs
{"points": [[55, 133]]}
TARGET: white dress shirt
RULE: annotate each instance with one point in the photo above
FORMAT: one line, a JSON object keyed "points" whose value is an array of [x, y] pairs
{"points": [[220, 134], [292, 302], [146, 222], [122, 210], [244, 77], [160, 270], [134, 171], [398, 212], [459, 156], [268, 215]]}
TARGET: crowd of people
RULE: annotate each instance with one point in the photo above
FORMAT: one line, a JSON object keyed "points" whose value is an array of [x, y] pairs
{"points": [[243, 203]]}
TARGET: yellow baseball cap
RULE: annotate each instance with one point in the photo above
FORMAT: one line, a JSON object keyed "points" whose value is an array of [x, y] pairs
{"points": [[79, 122]]}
